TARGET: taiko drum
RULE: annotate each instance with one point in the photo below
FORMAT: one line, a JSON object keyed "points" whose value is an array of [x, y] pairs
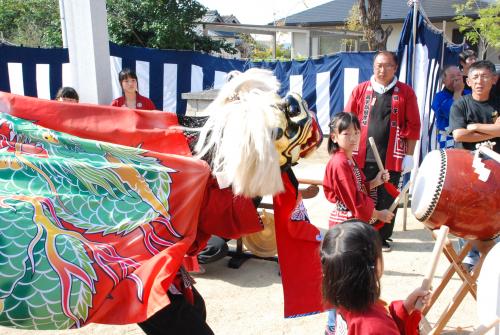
{"points": [[448, 191]]}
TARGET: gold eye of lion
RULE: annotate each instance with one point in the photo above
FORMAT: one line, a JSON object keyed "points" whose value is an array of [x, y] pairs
{"points": [[49, 137]]}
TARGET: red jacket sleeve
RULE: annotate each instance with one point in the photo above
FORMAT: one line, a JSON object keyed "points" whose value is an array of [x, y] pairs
{"points": [[407, 323], [411, 127], [340, 184]]}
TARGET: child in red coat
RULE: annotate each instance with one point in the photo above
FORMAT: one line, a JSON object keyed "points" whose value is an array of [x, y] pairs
{"points": [[352, 263], [344, 183]]}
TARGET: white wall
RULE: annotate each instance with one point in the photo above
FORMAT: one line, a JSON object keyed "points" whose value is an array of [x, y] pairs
{"points": [[315, 47], [393, 40], [300, 45]]}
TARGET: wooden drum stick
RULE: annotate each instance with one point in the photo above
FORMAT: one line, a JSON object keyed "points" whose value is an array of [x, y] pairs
{"points": [[310, 181], [436, 252], [376, 154]]}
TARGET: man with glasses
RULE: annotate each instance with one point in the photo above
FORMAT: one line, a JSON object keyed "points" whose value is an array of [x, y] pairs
{"points": [[387, 111], [474, 119]]}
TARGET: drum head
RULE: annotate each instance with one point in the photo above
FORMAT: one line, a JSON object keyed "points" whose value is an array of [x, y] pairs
{"points": [[428, 184], [263, 243]]}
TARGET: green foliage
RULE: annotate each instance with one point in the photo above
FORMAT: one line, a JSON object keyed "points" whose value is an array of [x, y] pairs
{"points": [[31, 22], [262, 52], [164, 24], [353, 22], [483, 30]]}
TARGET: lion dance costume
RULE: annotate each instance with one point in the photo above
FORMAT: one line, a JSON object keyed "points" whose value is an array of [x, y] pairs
{"points": [[100, 205]]}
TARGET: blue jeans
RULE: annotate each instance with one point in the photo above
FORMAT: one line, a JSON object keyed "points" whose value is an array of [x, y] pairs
{"points": [[472, 256]]}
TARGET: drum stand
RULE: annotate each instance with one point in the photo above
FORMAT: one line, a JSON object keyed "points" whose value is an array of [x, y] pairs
{"points": [[468, 285], [239, 256]]}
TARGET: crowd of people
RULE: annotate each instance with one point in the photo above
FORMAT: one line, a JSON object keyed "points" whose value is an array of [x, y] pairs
{"points": [[386, 110]]}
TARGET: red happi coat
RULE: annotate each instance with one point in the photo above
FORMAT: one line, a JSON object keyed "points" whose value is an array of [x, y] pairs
{"points": [[141, 102], [347, 190], [405, 121], [298, 244], [379, 319]]}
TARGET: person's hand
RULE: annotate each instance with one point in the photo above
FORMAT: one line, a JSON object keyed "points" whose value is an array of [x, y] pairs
{"points": [[384, 215], [407, 163], [382, 177], [458, 85], [411, 300]]}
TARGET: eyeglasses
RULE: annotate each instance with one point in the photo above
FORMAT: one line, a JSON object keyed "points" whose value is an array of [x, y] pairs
{"points": [[483, 77], [385, 66]]}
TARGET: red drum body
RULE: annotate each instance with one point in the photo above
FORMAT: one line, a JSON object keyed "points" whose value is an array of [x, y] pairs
{"points": [[448, 191]]}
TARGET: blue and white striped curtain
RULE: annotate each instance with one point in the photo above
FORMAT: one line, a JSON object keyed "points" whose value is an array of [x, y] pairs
{"points": [[164, 75]]}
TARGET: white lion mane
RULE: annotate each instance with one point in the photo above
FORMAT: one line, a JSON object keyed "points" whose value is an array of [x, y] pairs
{"points": [[239, 134]]}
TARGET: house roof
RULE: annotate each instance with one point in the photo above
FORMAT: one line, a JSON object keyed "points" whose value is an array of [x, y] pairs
{"points": [[213, 16], [336, 12]]}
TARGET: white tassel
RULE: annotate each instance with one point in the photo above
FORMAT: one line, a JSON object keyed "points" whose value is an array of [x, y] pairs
{"points": [[239, 134]]}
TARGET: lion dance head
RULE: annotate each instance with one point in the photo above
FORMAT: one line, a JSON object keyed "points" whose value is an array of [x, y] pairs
{"points": [[252, 133]]}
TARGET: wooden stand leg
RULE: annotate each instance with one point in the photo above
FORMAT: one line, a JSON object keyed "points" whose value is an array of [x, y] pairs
{"points": [[453, 259], [457, 299], [468, 284]]}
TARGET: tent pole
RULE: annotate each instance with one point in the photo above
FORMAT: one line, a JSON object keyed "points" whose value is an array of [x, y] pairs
{"points": [[415, 13], [444, 43]]}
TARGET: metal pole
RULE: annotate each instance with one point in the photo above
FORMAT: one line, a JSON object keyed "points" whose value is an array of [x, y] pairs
{"points": [[414, 52], [273, 45], [444, 43], [415, 13], [63, 24]]}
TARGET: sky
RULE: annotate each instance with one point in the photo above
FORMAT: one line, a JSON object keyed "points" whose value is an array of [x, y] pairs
{"points": [[260, 11]]}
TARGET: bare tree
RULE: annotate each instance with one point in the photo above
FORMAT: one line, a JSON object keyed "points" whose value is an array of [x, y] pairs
{"points": [[370, 12]]}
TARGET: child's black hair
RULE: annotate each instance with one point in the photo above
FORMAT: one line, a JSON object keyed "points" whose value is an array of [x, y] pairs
{"points": [[349, 255], [340, 122], [67, 92], [125, 74], [462, 57]]}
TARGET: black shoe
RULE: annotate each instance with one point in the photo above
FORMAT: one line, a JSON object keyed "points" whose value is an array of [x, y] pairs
{"points": [[386, 247]]}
